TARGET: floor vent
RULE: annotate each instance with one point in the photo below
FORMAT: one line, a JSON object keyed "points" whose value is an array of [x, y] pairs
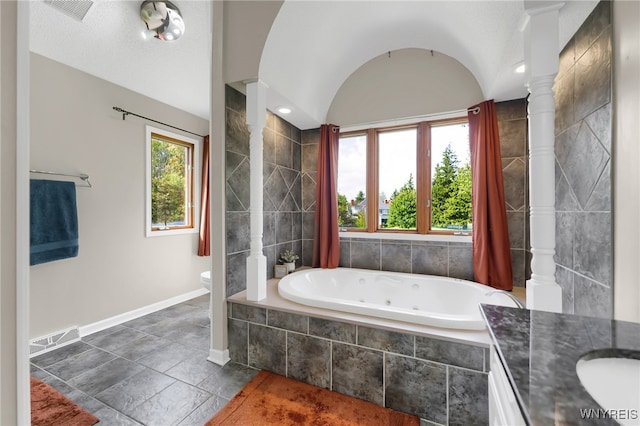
{"points": [[77, 9], [53, 341]]}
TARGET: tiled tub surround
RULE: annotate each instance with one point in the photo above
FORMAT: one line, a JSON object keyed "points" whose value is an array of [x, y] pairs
{"points": [[539, 351], [583, 168], [282, 196], [437, 374]]}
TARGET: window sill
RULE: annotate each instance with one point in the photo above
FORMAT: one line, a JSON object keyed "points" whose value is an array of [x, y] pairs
{"points": [[169, 232], [407, 237]]}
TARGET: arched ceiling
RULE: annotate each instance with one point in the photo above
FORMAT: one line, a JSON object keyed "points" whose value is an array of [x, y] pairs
{"points": [[314, 46]]}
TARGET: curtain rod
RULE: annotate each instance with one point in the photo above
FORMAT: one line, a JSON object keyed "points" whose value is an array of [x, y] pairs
{"points": [[83, 176], [125, 113]]}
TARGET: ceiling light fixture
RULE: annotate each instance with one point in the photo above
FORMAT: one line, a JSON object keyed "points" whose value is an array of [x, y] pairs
{"points": [[284, 110], [520, 69], [162, 18]]}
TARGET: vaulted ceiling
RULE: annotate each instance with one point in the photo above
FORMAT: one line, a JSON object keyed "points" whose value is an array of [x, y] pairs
{"points": [[312, 48]]}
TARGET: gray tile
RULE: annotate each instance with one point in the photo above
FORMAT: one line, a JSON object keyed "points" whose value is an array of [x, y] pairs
{"points": [[284, 156], [249, 313], [309, 360], [238, 332], [308, 191], [345, 253], [310, 157], [234, 99], [170, 355], [511, 110], [565, 234], [113, 341], [276, 188], [37, 372], [133, 391], [564, 89], [461, 263], [564, 278], [267, 349], [171, 405], [513, 173], [516, 229], [333, 330], [238, 181], [396, 257], [453, 353], [430, 260], [357, 372], [518, 268], [593, 77], [417, 387], [269, 145], [110, 417], [468, 398], [600, 199], [80, 363], [310, 136], [229, 380], [236, 272], [288, 321], [60, 354], [237, 139], [591, 298], [204, 412], [597, 22], [365, 254], [600, 124], [106, 375], [513, 137], [307, 252], [237, 234], [592, 246], [102, 333], [194, 370], [142, 347], [389, 341]]}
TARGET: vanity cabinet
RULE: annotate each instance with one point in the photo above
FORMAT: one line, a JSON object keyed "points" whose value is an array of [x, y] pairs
{"points": [[503, 407]]}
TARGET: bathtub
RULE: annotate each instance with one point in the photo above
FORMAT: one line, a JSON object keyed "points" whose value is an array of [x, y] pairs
{"points": [[421, 299]]}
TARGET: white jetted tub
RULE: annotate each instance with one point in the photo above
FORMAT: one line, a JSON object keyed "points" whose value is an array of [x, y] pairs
{"points": [[421, 299]]}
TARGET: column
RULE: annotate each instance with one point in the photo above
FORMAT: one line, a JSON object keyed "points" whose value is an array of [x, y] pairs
{"points": [[256, 120], [218, 350], [541, 60]]}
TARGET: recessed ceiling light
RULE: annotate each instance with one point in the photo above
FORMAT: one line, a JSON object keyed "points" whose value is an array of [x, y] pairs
{"points": [[520, 69], [284, 110]]}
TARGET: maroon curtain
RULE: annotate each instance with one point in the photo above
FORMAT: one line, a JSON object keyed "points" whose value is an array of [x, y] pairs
{"points": [[491, 249], [326, 242], [204, 248]]}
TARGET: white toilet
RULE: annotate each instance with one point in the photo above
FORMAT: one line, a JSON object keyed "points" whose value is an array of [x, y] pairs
{"points": [[205, 280]]}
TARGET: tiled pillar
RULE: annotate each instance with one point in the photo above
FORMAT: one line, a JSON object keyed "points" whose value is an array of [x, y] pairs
{"points": [[256, 120], [541, 60]]}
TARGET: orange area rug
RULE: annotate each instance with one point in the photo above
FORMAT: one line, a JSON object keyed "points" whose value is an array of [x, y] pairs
{"points": [[51, 408], [270, 399]]}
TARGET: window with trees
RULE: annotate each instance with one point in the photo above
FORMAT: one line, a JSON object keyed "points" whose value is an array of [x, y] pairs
{"points": [[171, 183], [412, 178]]}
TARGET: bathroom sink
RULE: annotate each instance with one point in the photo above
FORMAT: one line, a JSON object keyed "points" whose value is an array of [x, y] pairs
{"points": [[612, 378]]}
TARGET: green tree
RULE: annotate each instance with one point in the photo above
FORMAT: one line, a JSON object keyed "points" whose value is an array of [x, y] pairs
{"points": [[359, 198], [167, 182], [457, 209], [442, 187], [402, 211], [345, 215]]}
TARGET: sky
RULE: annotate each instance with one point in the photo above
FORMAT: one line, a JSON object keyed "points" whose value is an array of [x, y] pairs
{"points": [[397, 152]]}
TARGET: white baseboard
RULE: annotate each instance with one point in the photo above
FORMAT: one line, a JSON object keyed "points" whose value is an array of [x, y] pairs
{"points": [[88, 329], [219, 357]]}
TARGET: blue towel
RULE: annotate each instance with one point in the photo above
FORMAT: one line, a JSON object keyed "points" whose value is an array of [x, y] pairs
{"points": [[54, 221]]}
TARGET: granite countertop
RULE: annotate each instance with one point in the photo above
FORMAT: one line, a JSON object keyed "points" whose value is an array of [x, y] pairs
{"points": [[539, 351]]}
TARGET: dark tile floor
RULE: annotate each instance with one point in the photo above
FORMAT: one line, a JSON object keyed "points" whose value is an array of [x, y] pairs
{"points": [[152, 370]]}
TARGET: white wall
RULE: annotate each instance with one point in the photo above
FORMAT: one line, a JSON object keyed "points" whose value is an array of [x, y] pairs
{"points": [[626, 67], [404, 83], [8, 360], [75, 130]]}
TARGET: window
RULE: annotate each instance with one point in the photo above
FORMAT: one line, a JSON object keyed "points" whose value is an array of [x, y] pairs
{"points": [[171, 183], [418, 176]]}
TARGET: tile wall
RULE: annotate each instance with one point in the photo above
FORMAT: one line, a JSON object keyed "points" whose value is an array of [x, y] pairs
{"points": [[583, 168], [282, 196], [440, 381]]}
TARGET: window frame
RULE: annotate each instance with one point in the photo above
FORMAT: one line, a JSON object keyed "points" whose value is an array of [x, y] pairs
{"points": [[193, 176], [423, 177]]}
